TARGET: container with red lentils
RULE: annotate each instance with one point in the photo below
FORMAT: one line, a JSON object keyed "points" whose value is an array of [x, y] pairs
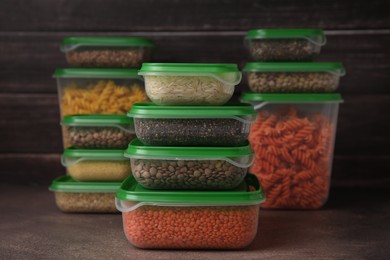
{"points": [[189, 219]]}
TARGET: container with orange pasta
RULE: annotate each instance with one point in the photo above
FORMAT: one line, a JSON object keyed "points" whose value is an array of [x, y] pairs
{"points": [[98, 90], [293, 140], [190, 219]]}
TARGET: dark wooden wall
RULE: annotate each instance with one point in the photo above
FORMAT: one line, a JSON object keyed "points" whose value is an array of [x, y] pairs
{"points": [[190, 31]]}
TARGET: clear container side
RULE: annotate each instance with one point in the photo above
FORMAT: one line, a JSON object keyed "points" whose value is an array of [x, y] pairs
{"points": [[97, 169], [293, 82], [188, 90], [193, 227], [108, 56], [191, 132], [293, 49], [86, 202], [99, 137], [187, 174], [293, 145], [99, 95]]}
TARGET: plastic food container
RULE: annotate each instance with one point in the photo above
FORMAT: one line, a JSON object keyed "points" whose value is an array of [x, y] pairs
{"points": [[285, 44], [96, 165], [85, 197], [98, 91], [111, 52], [293, 77], [193, 125], [186, 84], [98, 131], [293, 140], [192, 220], [185, 167]]}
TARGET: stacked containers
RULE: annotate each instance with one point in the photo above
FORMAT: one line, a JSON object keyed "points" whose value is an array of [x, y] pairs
{"points": [[93, 102], [188, 140], [294, 136]]}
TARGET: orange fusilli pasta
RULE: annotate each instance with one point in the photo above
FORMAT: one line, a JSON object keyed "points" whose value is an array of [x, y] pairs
{"points": [[293, 151]]}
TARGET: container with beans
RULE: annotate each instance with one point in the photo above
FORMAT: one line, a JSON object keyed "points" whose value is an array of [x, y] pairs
{"points": [[98, 131], [192, 125], [96, 165], [190, 219], [111, 52], [293, 141], [293, 77], [190, 84], [194, 168], [284, 44], [84, 197]]}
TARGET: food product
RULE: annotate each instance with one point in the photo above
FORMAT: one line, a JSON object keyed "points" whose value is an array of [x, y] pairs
{"points": [[190, 219], [87, 197], [293, 77], [96, 165], [109, 52], [86, 202], [293, 141], [98, 131], [190, 84], [180, 174], [285, 44], [192, 125], [170, 167]]}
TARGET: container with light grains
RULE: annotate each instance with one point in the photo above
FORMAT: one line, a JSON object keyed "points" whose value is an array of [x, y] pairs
{"points": [[293, 141], [193, 125], [111, 52], [190, 219], [84, 197], [284, 44], [186, 84], [293, 77], [189, 167], [96, 165], [98, 131], [98, 90]]}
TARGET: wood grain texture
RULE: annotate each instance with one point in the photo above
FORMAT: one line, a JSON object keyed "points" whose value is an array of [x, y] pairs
{"points": [[189, 15], [30, 123], [364, 56]]}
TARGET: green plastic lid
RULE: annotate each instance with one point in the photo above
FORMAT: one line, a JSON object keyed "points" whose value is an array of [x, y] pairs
{"points": [[70, 43], [188, 68], [130, 190], [96, 120], [93, 154], [230, 110], [96, 73], [314, 35], [138, 150], [333, 67], [67, 184], [292, 98]]}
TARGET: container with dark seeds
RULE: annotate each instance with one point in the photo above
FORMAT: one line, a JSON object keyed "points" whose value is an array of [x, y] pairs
{"points": [[192, 125], [200, 168], [98, 131], [285, 44]]}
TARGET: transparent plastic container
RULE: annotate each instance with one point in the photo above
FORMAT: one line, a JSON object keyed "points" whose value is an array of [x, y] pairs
{"points": [[293, 77], [98, 131], [190, 168], [98, 91], [192, 125], [84, 197], [96, 165], [110, 52], [190, 220], [190, 84], [285, 44], [293, 141]]}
